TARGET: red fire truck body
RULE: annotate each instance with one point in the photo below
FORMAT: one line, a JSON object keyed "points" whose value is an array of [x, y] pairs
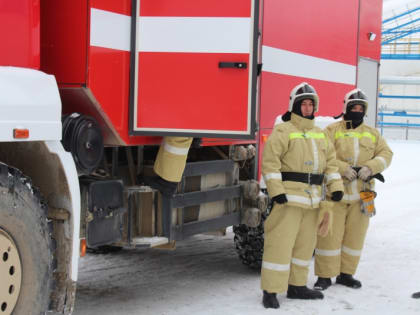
{"points": [[170, 54], [116, 76]]}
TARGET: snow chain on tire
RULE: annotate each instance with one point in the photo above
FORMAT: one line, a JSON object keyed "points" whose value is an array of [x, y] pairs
{"points": [[249, 242], [26, 236]]}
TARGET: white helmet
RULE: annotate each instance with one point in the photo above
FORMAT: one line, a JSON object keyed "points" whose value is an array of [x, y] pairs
{"points": [[354, 97], [301, 92]]}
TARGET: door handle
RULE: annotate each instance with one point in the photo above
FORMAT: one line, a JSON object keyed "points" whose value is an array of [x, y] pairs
{"points": [[237, 65]]}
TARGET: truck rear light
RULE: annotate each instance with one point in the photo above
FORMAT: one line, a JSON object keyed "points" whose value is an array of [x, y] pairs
{"points": [[82, 247], [264, 138], [20, 133]]}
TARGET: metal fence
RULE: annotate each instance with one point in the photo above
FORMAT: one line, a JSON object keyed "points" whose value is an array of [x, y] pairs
{"points": [[399, 120]]}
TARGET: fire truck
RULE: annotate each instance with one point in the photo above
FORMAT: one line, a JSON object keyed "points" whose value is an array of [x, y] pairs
{"points": [[88, 88]]}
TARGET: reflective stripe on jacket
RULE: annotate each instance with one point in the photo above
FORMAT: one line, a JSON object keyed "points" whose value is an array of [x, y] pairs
{"points": [[362, 146], [299, 146]]}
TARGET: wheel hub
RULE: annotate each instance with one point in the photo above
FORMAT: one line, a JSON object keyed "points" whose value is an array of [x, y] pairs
{"points": [[10, 273]]}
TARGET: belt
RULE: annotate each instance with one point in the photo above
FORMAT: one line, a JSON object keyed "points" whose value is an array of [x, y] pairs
{"points": [[309, 178]]}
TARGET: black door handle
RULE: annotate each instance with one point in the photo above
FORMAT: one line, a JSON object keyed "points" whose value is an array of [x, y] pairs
{"points": [[238, 65]]}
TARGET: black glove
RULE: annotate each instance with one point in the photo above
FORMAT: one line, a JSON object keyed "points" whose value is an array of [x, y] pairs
{"points": [[337, 195], [280, 199]]}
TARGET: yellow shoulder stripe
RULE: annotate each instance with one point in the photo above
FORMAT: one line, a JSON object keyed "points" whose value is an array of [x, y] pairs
{"points": [[353, 134], [310, 135]]}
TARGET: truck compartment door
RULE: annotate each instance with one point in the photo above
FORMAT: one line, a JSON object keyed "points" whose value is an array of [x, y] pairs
{"points": [[193, 67]]}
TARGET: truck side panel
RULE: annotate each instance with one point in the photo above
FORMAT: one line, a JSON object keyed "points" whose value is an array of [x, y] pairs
{"points": [[88, 45], [63, 40], [19, 33], [299, 45], [370, 22], [313, 41]]}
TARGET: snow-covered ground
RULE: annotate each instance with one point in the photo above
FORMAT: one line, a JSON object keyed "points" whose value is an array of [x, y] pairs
{"points": [[204, 276]]}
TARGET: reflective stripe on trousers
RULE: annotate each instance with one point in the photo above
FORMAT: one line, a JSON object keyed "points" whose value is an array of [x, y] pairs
{"points": [[290, 236], [172, 157], [340, 251]]}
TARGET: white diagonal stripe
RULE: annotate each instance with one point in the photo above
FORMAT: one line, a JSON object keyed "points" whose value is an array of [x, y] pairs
{"points": [[380, 158], [356, 150], [300, 199], [327, 252], [195, 34], [354, 190], [303, 200], [316, 158], [174, 150], [109, 30], [333, 176], [286, 62], [272, 176], [351, 252], [172, 34], [300, 262], [353, 197], [275, 267]]}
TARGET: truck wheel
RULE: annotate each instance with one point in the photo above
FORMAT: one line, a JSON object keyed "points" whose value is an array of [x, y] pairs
{"points": [[249, 243], [26, 246]]}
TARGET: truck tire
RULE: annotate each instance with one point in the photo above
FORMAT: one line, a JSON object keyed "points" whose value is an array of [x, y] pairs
{"points": [[249, 243], [26, 246]]}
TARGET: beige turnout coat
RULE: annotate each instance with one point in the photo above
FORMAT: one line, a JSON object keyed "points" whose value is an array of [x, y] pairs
{"points": [[362, 146], [299, 146]]}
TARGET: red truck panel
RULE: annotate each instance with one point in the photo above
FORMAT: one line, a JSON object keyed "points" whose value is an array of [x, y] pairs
{"points": [[180, 85], [19, 33], [313, 41], [89, 51], [120, 7], [320, 28], [63, 40], [194, 8], [370, 22], [194, 95]]}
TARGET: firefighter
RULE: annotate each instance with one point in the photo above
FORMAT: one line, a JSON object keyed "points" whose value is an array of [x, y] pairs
{"points": [[361, 153], [296, 158], [169, 164]]}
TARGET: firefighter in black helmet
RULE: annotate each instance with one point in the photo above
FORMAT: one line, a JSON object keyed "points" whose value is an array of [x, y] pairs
{"points": [[296, 158], [361, 153]]}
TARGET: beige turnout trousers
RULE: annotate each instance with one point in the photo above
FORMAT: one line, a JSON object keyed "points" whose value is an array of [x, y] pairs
{"points": [[340, 251], [290, 238], [172, 157]]}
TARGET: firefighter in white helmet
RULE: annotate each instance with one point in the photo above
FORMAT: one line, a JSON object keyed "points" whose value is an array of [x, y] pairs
{"points": [[297, 158], [169, 164], [361, 154]]}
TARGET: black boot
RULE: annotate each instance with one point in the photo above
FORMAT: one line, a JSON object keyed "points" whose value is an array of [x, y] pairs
{"points": [[270, 300], [348, 281], [322, 284], [303, 293], [416, 295], [165, 187]]}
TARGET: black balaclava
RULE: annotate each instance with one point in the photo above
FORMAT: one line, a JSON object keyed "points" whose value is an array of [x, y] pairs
{"points": [[297, 110], [356, 118]]}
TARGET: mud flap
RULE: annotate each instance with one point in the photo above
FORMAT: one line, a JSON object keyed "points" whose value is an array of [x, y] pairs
{"points": [[105, 210]]}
